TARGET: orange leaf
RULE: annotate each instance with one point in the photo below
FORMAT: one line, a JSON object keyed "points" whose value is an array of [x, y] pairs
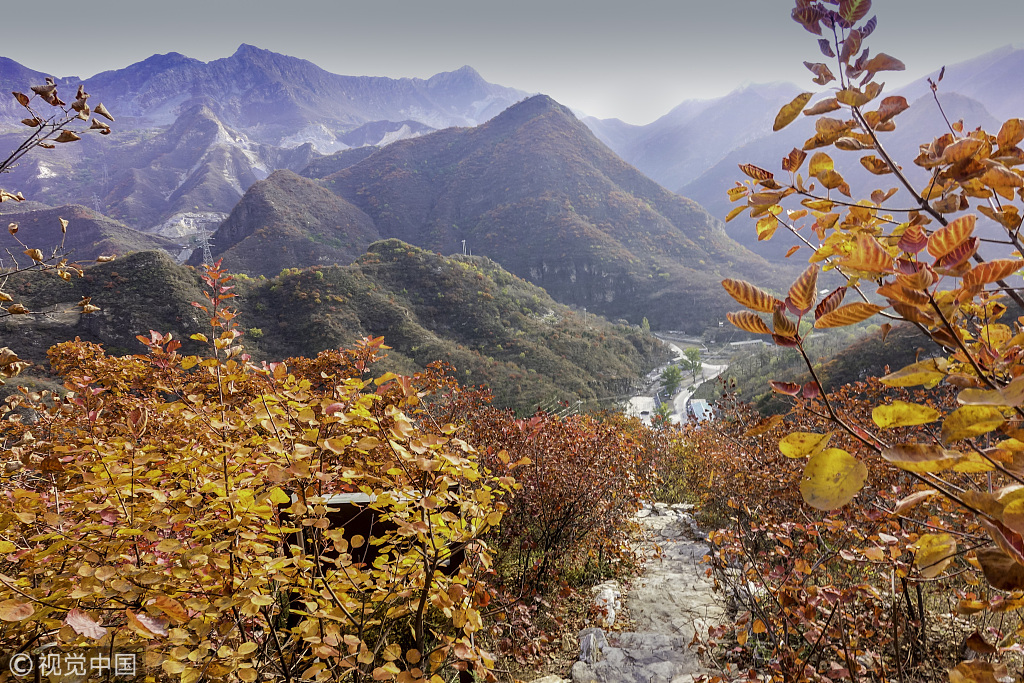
{"points": [[959, 255], [756, 172], [961, 149], [854, 10], [993, 271], [869, 256], [14, 610], [1010, 134], [822, 107], [821, 72], [875, 165], [849, 314], [748, 322], [830, 302], [912, 500], [891, 106], [913, 239], [750, 296], [784, 327], [883, 62], [804, 291], [792, 250], [794, 159]]}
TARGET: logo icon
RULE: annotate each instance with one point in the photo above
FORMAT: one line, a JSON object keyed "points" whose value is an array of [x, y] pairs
{"points": [[21, 664]]}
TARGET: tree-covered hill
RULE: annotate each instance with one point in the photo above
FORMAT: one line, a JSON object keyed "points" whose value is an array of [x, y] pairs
{"points": [[494, 327]]}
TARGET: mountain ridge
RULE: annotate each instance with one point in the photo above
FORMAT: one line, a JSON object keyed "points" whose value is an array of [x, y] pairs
{"points": [[536, 191]]}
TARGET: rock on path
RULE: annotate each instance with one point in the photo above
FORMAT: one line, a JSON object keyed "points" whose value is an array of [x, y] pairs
{"points": [[669, 603]]}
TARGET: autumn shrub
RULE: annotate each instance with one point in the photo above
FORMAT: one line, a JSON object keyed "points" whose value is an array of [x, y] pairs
{"points": [[812, 591], [177, 507], [584, 480], [908, 251]]}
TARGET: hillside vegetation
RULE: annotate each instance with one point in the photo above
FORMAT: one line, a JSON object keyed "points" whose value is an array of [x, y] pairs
{"points": [[495, 328]]}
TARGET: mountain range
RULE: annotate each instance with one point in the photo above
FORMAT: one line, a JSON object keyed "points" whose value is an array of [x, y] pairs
{"points": [[192, 136], [695, 149], [287, 165], [532, 189]]}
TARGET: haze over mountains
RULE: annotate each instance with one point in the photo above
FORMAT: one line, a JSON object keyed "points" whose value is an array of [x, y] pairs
{"points": [[695, 149], [287, 165]]}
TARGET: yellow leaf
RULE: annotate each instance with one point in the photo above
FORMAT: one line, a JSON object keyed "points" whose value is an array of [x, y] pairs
{"points": [[735, 212], [279, 497], [968, 607], [852, 97], [934, 553], [338, 445], [831, 479], [868, 255], [367, 443], [900, 414], [789, 112], [1013, 515], [820, 162], [803, 444], [973, 463], [970, 421], [1011, 395], [920, 457], [927, 372]]}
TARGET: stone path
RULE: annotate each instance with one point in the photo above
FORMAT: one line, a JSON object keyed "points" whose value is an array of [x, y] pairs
{"points": [[669, 603]]}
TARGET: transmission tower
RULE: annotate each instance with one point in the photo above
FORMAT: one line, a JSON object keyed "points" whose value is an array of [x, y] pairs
{"points": [[204, 241]]}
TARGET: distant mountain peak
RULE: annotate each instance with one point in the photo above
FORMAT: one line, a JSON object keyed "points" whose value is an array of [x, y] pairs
{"points": [[246, 48], [529, 109]]}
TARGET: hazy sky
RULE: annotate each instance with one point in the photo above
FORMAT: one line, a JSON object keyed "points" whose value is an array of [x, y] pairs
{"points": [[631, 59]]}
